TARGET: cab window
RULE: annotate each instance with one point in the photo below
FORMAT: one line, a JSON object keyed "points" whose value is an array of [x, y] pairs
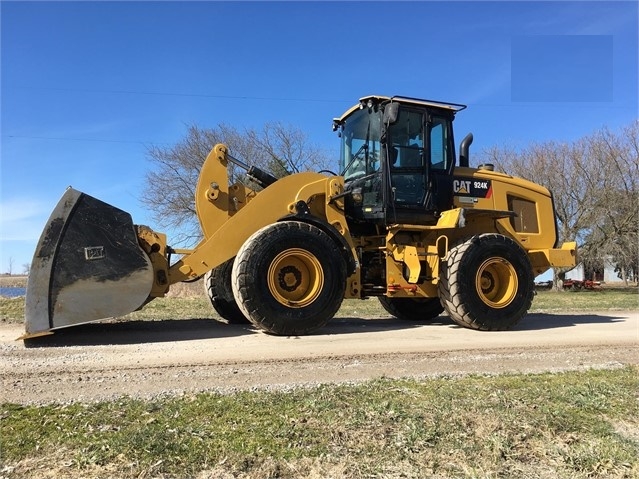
{"points": [[439, 144], [407, 140]]}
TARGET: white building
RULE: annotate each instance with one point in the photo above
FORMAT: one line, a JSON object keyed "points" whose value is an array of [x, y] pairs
{"points": [[609, 274]]}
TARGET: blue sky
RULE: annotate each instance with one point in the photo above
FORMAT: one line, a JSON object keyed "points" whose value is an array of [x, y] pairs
{"points": [[86, 88]]}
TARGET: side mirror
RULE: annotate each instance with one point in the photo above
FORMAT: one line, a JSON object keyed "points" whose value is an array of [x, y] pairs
{"points": [[391, 112]]}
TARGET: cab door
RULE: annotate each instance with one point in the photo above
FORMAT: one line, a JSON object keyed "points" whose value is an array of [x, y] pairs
{"points": [[419, 157], [441, 164]]}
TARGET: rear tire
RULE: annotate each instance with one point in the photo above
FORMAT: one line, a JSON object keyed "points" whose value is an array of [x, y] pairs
{"points": [[289, 278], [487, 283], [217, 285], [412, 309]]}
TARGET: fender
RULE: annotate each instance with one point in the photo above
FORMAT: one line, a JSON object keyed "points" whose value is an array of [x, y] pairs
{"points": [[304, 215]]}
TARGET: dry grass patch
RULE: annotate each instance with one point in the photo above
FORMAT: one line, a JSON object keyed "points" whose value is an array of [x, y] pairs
{"points": [[7, 281], [547, 425]]}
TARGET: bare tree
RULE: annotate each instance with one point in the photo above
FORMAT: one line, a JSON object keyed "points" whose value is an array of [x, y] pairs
{"points": [[285, 150], [169, 189], [615, 233]]}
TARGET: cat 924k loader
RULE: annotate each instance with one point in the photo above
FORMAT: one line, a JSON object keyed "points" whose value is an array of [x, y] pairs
{"points": [[405, 221]]}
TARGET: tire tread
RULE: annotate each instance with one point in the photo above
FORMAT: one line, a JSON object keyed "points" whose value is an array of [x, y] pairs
{"points": [[451, 290]]}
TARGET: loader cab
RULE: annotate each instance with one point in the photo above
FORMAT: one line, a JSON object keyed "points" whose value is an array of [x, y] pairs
{"points": [[397, 158]]}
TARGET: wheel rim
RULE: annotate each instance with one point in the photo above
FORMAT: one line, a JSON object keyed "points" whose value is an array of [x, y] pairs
{"points": [[496, 282], [295, 278]]}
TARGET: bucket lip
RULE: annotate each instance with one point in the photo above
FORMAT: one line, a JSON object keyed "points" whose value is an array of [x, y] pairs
{"points": [[40, 334]]}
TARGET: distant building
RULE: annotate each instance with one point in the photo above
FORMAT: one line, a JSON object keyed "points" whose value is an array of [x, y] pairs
{"points": [[577, 273], [606, 274]]}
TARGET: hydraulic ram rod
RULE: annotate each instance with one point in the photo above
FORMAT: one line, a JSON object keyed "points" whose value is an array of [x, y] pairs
{"points": [[258, 175]]}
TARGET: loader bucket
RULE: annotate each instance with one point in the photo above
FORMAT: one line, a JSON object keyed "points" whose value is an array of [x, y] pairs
{"points": [[88, 265]]}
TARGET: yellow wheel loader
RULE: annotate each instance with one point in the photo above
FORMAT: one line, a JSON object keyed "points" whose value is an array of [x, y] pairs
{"points": [[405, 221]]}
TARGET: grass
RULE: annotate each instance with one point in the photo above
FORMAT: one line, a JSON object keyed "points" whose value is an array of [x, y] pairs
{"points": [[11, 310], [13, 281], [189, 302], [569, 425], [608, 298]]}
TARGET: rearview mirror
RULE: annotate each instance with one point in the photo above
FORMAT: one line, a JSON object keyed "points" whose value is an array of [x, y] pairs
{"points": [[391, 111]]}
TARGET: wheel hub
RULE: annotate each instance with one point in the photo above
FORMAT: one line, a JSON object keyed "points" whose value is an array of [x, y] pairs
{"points": [[496, 282], [295, 278], [289, 278], [487, 282]]}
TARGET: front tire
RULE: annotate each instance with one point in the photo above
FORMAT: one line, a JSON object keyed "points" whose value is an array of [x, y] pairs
{"points": [[289, 278], [412, 309], [217, 285], [487, 283]]}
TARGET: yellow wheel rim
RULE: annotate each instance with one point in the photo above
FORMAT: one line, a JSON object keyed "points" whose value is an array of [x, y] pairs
{"points": [[295, 278], [496, 282]]}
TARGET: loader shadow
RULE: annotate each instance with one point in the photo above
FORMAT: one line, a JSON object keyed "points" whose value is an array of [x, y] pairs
{"points": [[530, 322], [540, 321], [354, 325], [140, 332]]}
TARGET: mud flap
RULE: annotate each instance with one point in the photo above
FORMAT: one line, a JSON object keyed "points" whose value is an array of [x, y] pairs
{"points": [[87, 266]]}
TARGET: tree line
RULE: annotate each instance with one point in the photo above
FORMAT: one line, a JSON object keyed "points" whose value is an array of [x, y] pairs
{"points": [[594, 181]]}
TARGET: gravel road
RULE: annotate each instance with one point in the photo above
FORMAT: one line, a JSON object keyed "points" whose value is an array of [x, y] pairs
{"points": [[147, 359]]}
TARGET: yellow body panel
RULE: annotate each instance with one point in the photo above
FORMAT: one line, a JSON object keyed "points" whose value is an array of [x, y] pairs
{"points": [[155, 246], [533, 225], [505, 186], [555, 257], [215, 200], [212, 202]]}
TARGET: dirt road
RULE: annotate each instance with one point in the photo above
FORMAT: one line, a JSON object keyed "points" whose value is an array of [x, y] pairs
{"points": [[147, 359]]}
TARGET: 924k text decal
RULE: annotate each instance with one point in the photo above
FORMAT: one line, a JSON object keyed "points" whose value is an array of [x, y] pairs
{"points": [[473, 187]]}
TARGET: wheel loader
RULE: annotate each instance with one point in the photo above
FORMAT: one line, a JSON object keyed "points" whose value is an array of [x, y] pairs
{"points": [[406, 221]]}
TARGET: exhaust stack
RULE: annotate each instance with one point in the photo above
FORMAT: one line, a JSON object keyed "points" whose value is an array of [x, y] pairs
{"points": [[464, 155]]}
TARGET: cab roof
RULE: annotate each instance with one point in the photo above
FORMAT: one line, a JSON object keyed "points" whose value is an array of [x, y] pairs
{"points": [[376, 99]]}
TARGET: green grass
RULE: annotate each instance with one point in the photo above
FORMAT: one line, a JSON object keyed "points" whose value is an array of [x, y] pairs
{"points": [[569, 425], [11, 310], [197, 306], [609, 298]]}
